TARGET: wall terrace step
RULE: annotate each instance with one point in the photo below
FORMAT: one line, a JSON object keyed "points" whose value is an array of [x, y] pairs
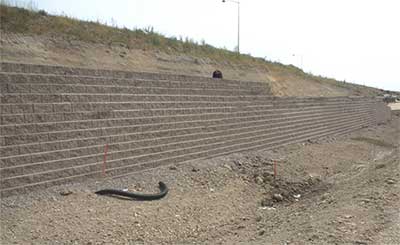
{"points": [[12, 161], [125, 165], [21, 78], [150, 166], [38, 127], [117, 89], [27, 148], [111, 130], [38, 98], [59, 115], [59, 70], [6, 109], [157, 145]]}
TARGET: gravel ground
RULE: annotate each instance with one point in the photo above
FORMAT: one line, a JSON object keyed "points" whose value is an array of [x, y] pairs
{"points": [[336, 190], [395, 106]]}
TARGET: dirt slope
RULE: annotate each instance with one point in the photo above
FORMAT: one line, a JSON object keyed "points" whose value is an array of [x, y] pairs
{"points": [[22, 48], [36, 37]]}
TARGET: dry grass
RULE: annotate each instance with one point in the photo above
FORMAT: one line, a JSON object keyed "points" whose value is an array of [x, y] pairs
{"points": [[373, 141], [32, 21], [39, 22]]}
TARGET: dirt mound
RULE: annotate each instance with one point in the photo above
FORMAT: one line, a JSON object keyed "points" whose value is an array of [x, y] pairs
{"points": [[279, 189]]}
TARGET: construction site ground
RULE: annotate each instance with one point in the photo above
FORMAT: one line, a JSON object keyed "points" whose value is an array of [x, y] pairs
{"points": [[336, 190]]}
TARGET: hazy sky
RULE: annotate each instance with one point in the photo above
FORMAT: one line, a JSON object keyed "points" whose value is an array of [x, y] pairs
{"points": [[353, 40]]}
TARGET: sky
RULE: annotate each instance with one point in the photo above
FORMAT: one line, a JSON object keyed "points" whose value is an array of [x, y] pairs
{"points": [[353, 40]]}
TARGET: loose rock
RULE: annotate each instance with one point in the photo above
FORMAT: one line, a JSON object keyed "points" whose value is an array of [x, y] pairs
{"points": [[259, 180], [65, 192], [278, 197], [390, 181]]}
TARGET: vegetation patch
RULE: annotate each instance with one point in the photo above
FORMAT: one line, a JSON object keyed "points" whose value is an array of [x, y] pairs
{"points": [[29, 20], [373, 141]]}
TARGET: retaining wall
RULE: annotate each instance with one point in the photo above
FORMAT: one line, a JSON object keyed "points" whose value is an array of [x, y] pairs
{"points": [[56, 121]]}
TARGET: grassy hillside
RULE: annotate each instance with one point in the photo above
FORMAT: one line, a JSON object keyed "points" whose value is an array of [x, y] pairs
{"points": [[19, 20], [37, 37]]}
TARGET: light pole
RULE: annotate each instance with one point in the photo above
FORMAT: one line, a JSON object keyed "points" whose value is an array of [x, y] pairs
{"points": [[238, 29], [301, 59]]}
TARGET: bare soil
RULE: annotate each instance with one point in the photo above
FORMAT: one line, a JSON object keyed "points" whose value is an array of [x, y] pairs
{"points": [[395, 106], [336, 190], [50, 50]]}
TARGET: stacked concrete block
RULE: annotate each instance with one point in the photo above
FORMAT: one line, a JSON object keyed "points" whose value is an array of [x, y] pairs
{"points": [[56, 121]]}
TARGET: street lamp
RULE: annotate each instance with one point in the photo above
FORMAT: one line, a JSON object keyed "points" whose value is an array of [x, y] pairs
{"points": [[301, 59], [238, 33]]}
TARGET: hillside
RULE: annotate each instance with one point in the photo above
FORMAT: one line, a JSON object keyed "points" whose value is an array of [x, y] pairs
{"points": [[235, 165], [37, 37]]}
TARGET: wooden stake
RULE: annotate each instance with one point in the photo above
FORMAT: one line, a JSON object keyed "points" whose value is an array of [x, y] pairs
{"points": [[105, 159]]}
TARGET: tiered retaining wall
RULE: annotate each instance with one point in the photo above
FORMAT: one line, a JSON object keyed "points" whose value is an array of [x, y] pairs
{"points": [[56, 121]]}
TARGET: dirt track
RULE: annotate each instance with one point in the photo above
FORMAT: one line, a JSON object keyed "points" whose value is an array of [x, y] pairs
{"points": [[348, 186]]}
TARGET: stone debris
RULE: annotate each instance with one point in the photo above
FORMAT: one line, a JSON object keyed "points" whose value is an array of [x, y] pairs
{"points": [[277, 197], [259, 180], [65, 192], [390, 181]]}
